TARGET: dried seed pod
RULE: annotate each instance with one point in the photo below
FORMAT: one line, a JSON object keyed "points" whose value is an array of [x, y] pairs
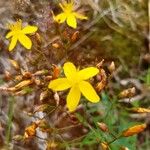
{"points": [[43, 95], [19, 77], [30, 131], [14, 64], [41, 72], [27, 75], [56, 71], [128, 93], [23, 84], [57, 99], [140, 110], [38, 38], [12, 89], [104, 146], [123, 148], [100, 86], [66, 34], [56, 45], [111, 67], [75, 36], [134, 130], [48, 78], [103, 126], [100, 64], [7, 76]]}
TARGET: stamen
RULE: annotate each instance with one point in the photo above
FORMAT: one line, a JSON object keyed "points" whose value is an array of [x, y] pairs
{"points": [[15, 26], [62, 7]]}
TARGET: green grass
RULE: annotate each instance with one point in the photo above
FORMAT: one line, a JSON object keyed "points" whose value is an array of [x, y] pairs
{"points": [[10, 119]]}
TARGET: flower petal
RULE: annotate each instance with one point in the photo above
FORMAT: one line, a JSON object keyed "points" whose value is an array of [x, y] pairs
{"points": [[80, 16], [87, 73], [73, 98], [59, 84], [29, 29], [60, 18], [88, 91], [71, 21], [25, 41], [9, 34], [70, 70], [13, 43]]}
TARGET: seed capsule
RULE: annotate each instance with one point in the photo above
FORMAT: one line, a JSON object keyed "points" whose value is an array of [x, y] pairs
{"points": [[134, 130]]}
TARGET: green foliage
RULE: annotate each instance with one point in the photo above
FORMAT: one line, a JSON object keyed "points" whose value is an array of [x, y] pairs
{"points": [[10, 119], [118, 35], [117, 119]]}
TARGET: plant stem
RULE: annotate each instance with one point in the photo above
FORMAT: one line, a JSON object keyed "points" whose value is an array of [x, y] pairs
{"points": [[149, 24], [10, 116], [116, 138]]}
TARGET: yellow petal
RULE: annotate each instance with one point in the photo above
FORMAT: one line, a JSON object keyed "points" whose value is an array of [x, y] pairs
{"points": [[25, 41], [87, 73], [71, 21], [80, 16], [59, 84], [73, 98], [13, 43], [88, 91], [60, 18], [9, 34], [69, 70], [29, 29]]}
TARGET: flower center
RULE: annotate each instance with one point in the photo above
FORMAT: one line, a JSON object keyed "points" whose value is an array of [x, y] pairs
{"points": [[68, 8], [16, 27], [75, 79]]}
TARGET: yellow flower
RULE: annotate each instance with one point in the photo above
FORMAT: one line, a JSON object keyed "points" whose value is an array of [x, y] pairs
{"points": [[68, 14], [18, 34], [75, 80]]}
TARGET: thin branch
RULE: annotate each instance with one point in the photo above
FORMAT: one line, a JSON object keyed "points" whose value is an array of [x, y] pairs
{"points": [[149, 25]]}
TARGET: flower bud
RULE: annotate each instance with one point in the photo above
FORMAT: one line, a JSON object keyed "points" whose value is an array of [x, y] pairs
{"points": [[140, 110], [23, 84], [75, 36], [56, 71], [103, 126], [43, 95], [56, 45], [111, 67], [123, 148], [14, 64], [104, 146], [134, 130], [38, 38], [101, 85], [128, 93]]}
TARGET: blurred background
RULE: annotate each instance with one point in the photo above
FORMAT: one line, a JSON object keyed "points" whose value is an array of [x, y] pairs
{"points": [[117, 31]]}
